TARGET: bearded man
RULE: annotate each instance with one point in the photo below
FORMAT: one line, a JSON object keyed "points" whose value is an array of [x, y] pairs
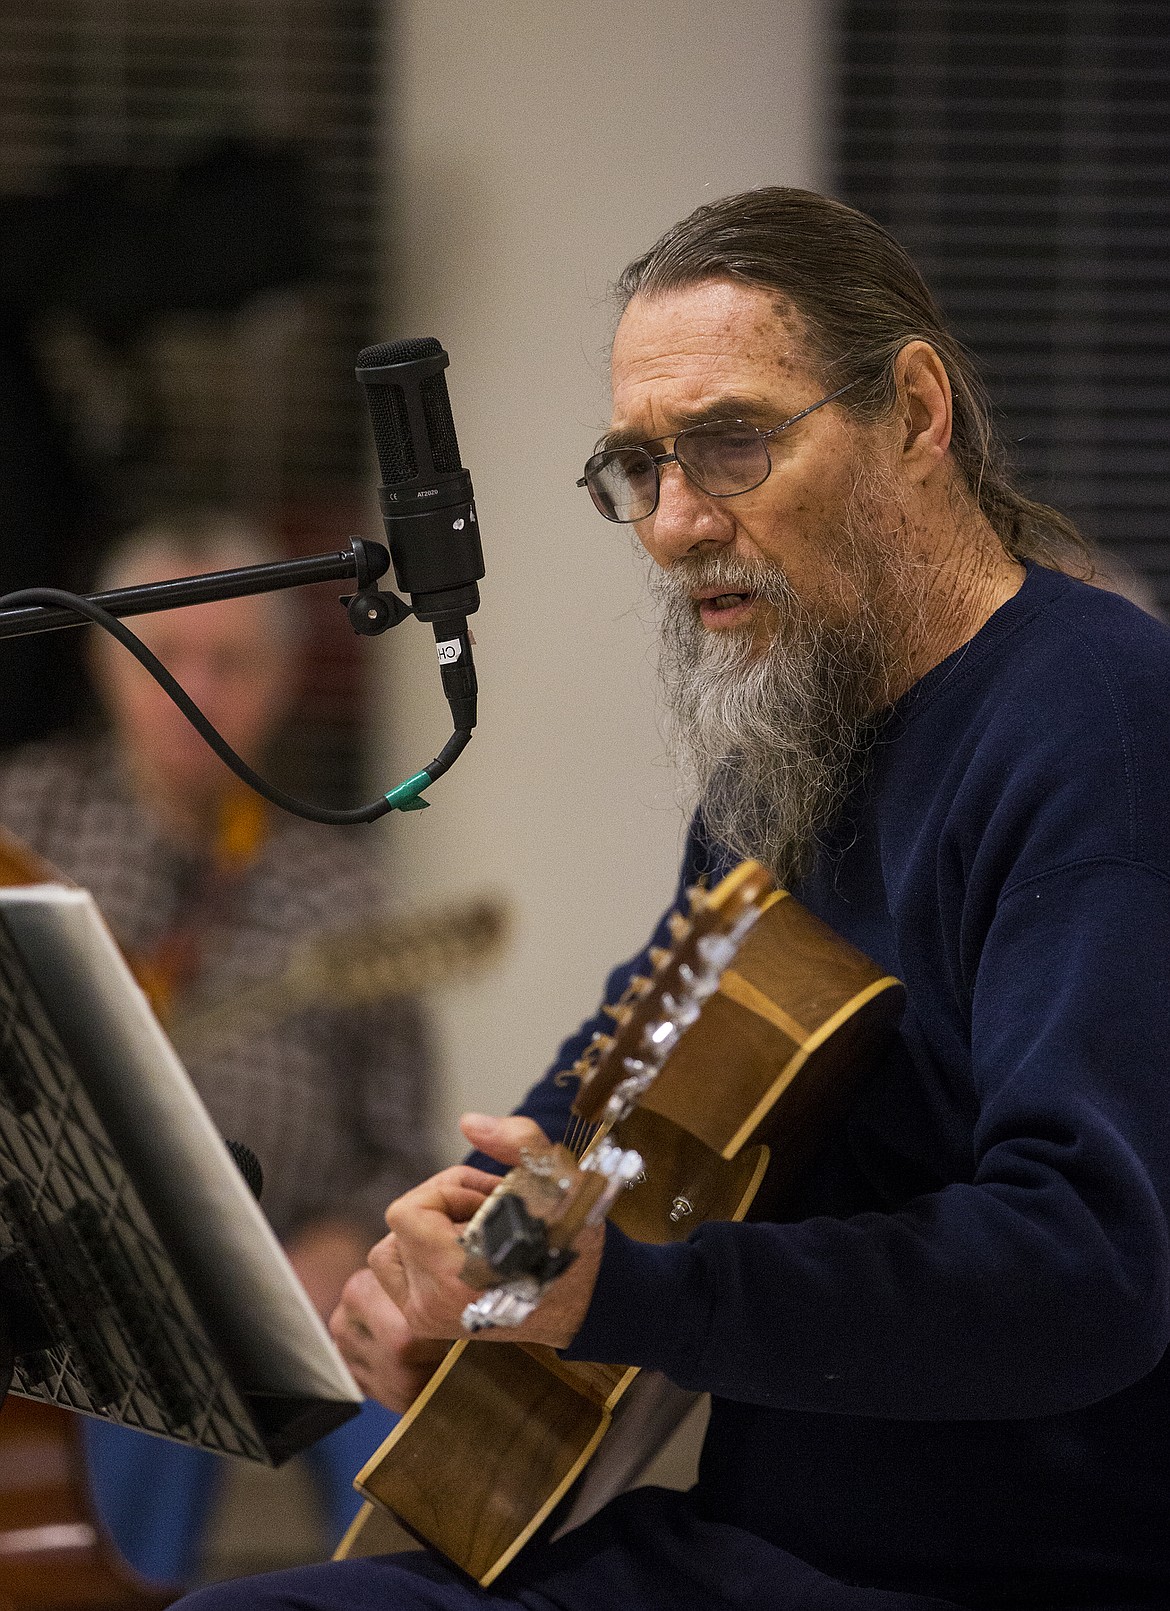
{"points": [[940, 1382]]}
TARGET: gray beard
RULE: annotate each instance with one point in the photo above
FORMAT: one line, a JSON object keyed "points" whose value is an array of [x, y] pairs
{"points": [[775, 739]]}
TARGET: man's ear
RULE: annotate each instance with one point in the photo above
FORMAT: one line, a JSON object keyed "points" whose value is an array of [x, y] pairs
{"points": [[924, 407]]}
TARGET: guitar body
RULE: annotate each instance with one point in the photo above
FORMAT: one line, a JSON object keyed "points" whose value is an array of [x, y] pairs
{"points": [[503, 1432]]}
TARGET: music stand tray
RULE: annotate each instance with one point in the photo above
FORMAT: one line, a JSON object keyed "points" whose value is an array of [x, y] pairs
{"points": [[139, 1280]]}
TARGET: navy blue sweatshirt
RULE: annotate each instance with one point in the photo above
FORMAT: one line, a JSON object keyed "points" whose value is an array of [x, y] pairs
{"points": [[946, 1373]]}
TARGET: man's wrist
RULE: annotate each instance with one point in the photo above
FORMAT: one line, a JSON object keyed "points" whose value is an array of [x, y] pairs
{"points": [[635, 1312]]}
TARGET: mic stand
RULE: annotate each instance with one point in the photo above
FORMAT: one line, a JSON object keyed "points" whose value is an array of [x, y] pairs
{"points": [[370, 611], [365, 562]]}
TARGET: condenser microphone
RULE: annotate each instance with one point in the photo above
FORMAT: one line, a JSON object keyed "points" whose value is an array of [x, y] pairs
{"points": [[426, 498], [427, 504]]}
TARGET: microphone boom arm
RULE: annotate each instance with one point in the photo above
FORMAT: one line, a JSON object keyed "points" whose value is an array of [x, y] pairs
{"points": [[365, 561]]}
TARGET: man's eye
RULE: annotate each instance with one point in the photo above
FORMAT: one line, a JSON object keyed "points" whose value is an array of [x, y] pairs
{"points": [[631, 466], [736, 445], [739, 437]]}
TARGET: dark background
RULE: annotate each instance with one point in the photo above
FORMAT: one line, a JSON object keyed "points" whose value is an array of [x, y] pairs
{"points": [[189, 210]]}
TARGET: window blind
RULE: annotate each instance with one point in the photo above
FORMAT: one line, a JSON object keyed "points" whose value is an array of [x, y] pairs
{"points": [[1020, 150], [263, 119]]}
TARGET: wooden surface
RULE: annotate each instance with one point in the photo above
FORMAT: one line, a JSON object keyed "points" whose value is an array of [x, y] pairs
{"points": [[21, 865], [53, 1553], [477, 1502], [776, 1046]]}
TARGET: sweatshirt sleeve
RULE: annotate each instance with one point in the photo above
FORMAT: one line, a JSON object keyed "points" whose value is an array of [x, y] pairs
{"points": [[1036, 1284]]}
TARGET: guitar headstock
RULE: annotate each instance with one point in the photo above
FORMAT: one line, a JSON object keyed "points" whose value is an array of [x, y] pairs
{"points": [[655, 1012]]}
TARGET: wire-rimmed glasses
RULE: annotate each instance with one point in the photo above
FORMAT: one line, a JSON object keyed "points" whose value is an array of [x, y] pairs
{"points": [[721, 457]]}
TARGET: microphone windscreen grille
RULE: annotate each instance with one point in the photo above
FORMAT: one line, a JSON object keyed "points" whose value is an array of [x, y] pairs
{"points": [[440, 424], [399, 352], [392, 441], [249, 1166]]}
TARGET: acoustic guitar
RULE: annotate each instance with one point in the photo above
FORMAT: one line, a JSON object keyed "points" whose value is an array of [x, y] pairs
{"points": [[353, 966], [723, 1074]]}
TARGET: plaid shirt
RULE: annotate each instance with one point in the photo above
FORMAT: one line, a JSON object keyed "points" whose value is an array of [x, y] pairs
{"points": [[333, 1101]]}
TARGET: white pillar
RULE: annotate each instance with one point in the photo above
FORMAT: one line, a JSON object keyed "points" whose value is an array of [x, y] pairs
{"points": [[534, 149]]}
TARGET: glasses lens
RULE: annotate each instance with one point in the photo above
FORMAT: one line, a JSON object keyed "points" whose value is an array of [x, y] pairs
{"points": [[623, 483], [723, 457]]}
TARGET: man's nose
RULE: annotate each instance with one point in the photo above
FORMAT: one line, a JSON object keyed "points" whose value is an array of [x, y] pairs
{"points": [[685, 519]]}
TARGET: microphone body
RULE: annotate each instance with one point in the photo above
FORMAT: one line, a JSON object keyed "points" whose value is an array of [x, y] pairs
{"points": [[428, 509], [426, 499]]}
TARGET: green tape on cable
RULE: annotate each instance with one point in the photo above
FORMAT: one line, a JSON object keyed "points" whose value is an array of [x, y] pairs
{"points": [[408, 796]]}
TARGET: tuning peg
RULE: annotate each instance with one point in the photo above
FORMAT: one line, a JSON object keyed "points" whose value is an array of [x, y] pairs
{"points": [[621, 1014], [659, 956], [679, 927], [696, 898], [602, 1043]]}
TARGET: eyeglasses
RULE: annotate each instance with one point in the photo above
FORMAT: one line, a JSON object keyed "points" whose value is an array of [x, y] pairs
{"points": [[721, 457]]}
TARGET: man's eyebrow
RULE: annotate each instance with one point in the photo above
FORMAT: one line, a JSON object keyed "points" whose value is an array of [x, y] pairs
{"points": [[732, 407]]}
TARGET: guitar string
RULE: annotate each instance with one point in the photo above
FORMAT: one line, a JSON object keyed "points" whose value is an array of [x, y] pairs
{"points": [[579, 1133]]}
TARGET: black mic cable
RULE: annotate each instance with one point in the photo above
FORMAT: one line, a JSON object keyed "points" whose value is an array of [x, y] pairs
{"points": [[406, 797]]}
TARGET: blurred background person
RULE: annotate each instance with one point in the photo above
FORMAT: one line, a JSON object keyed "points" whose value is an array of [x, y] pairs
{"points": [[208, 890]]}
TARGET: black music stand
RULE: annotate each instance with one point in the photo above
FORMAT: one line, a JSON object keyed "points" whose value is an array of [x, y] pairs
{"points": [[139, 1280]]}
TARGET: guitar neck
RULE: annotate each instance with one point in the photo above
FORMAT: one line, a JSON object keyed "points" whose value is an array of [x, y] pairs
{"points": [[376, 962]]}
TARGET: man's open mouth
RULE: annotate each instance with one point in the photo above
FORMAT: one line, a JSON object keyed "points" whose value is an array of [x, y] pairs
{"points": [[719, 609]]}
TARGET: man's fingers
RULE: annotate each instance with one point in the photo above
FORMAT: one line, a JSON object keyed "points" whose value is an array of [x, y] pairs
{"points": [[420, 1264], [504, 1139], [363, 1304], [435, 1217], [386, 1268], [387, 1362], [365, 1316], [456, 1192]]}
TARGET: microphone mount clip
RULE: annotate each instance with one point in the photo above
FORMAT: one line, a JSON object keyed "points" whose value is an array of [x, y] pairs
{"points": [[371, 610]]}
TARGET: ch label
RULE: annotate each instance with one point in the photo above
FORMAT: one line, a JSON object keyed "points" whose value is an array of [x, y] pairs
{"points": [[449, 651]]}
